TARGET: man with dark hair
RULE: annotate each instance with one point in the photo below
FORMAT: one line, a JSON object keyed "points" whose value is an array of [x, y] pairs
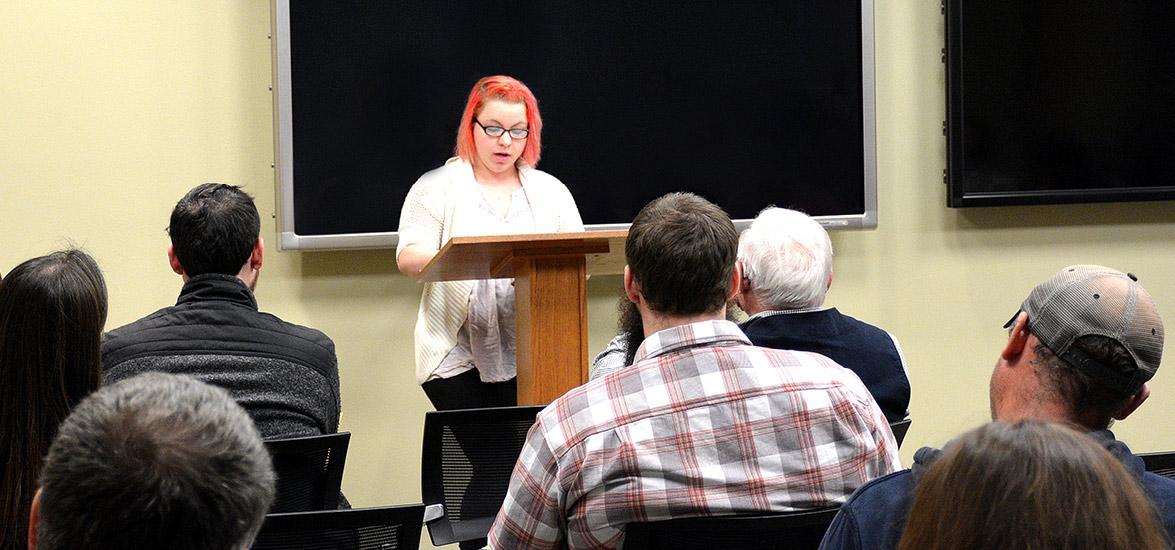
{"points": [[1080, 352], [286, 376], [702, 423], [158, 461], [786, 261]]}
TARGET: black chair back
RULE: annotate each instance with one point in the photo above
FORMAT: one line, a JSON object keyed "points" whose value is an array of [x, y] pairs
{"points": [[387, 528], [899, 429], [1160, 463], [466, 463], [794, 530], [309, 471]]}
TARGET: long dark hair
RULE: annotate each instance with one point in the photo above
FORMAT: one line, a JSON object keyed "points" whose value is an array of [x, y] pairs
{"points": [[1029, 485], [52, 310]]}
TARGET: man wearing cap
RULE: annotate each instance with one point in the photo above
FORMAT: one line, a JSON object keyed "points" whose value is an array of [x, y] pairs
{"points": [[1080, 352]]}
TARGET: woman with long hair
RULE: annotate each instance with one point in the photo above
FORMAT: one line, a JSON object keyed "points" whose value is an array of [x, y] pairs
{"points": [[1029, 485], [52, 310], [465, 341]]}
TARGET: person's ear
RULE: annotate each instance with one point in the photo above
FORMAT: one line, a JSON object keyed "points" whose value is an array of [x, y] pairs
{"points": [[737, 282], [257, 257], [174, 261], [632, 289], [1017, 338], [34, 520], [828, 285], [1135, 401]]}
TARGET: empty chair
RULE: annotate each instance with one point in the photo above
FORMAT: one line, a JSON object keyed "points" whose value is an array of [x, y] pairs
{"points": [[899, 429], [386, 528], [309, 471], [795, 530], [466, 463], [1160, 463]]}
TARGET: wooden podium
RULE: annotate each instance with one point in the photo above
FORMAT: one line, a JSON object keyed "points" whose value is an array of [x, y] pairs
{"points": [[550, 297]]}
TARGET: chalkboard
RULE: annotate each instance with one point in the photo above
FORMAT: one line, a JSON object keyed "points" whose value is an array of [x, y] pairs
{"points": [[748, 103]]}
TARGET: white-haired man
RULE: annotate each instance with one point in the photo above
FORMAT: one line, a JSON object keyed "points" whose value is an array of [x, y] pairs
{"points": [[786, 258]]}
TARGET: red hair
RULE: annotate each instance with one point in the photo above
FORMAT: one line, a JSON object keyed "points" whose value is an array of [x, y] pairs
{"points": [[509, 90]]}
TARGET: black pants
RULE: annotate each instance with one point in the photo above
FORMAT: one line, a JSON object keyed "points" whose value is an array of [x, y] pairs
{"points": [[467, 391]]}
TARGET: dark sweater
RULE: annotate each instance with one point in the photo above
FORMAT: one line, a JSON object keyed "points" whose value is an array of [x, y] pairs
{"points": [[284, 375], [860, 347]]}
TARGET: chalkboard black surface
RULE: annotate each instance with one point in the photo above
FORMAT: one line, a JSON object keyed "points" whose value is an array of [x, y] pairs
{"points": [[747, 103]]}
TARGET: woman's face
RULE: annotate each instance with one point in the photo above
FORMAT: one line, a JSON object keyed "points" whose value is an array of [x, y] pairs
{"points": [[498, 154]]}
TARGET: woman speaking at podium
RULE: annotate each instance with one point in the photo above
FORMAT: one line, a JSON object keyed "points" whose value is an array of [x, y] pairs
{"points": [[465, 342]]}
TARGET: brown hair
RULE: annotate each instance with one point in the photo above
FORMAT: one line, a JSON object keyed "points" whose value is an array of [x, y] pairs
{"points": [[681, 250], [1029, 485], [52, 310]]}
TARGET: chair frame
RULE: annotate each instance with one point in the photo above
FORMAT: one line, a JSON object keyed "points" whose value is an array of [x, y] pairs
{"points": [[899, 430], [337, 443], [645, 537], [1161, 463], [409, 516], [432, 489]]}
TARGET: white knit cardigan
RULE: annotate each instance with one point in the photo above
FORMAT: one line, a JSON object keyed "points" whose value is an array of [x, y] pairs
{"points": [[436, 201]]}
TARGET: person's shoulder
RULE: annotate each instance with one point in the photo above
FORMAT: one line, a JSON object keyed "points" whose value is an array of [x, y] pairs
{"points": [[301, 333], [543, 180], [857, 324], [881, 493], [439, 178], [131, 333]]}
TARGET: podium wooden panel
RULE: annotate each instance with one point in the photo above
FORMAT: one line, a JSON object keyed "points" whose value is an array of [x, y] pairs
{"points": [[550, 297]]}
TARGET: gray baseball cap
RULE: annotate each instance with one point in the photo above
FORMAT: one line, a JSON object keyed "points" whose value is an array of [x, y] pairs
{"points": [[1083, 300]]}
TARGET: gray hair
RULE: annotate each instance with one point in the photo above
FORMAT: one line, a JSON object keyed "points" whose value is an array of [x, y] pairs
{"points": [[155, 461], [787, 256]]}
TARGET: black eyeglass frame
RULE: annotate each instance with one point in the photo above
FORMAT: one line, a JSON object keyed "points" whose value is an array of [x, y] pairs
{"points": [[491, 130]]}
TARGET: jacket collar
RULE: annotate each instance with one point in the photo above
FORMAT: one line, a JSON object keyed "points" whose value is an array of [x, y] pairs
{"points": [[214, 287], [926, 456]]}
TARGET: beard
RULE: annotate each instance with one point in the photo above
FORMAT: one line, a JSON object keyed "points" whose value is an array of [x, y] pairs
{"points": [[629, 324]]}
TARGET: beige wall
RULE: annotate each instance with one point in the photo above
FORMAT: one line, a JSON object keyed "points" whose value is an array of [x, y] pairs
{"points": [[110, 111]]}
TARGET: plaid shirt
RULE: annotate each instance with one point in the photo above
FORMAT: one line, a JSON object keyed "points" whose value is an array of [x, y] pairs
{"points": [[702, 424]]}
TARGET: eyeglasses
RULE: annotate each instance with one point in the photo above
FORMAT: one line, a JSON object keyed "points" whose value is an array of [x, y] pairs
{"points": [[497, 131]]}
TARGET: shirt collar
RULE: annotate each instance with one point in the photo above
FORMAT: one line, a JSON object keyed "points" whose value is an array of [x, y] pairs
{"points": [[774, 312], [701, 333], [219, 288]]}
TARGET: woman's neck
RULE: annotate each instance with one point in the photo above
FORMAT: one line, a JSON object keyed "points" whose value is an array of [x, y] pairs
{"points": [[508, 178]]}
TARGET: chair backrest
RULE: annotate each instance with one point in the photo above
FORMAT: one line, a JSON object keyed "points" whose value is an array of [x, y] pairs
{"points": [[309, 471], [794, 530], [1160, 463], [386, 528], [466, 463], [899, 429]]}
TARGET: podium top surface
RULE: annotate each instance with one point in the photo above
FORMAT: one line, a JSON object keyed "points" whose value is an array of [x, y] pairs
{"points": [[490, 257]]}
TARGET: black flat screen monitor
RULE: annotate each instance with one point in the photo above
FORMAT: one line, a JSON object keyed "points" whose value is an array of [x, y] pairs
{"points": [[1060, 102], [748, 103]]}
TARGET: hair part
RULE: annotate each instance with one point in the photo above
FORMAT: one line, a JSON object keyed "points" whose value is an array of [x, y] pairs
{"points": [[1029, 485], [180, 461], [510, 90], [681, 252], [52, 312], [787, 256], [1089, 403], [213, 229]]}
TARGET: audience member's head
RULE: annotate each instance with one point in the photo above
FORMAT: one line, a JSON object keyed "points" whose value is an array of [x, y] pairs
{"points": [[52, 310], [787, 262], [1080, 350], [1029, 485], [215, 228], [681, 253], [171, 462]]}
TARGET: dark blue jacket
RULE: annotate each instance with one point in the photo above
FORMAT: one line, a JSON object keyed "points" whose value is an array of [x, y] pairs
{"points": [[864, 349], [875, 515]]}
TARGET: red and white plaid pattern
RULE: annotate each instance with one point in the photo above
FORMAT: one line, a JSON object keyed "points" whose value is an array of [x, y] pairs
{"points": [[702, 424]]}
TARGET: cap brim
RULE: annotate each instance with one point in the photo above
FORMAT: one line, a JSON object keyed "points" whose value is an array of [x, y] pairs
{"points": [[1012, 321]]}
